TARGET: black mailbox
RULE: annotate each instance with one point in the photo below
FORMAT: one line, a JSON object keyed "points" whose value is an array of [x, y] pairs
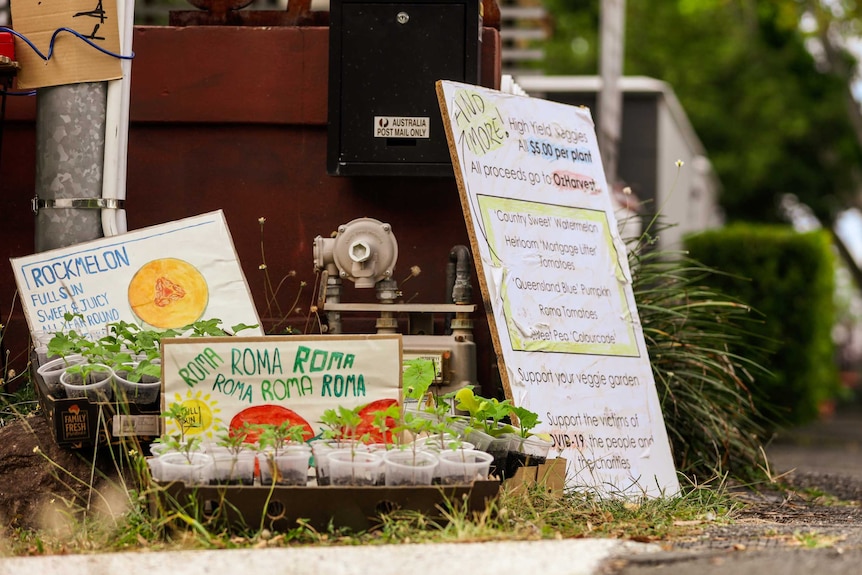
{"points": [[384, 59]]}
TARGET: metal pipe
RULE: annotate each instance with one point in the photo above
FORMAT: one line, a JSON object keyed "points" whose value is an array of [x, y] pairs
{"points": [[458, 286], [333, 295], [387, 292], [462, 290], [70, 149], [117, 127]]}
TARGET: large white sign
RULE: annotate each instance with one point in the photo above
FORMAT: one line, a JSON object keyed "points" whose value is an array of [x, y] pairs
{"points": [[554, 269], [160, 277]]}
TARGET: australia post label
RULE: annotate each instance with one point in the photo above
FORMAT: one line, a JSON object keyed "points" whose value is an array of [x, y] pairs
{"points": [[402, 127]]}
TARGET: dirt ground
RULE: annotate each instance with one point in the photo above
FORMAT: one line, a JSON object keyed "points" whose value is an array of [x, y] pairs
{"points": [[39, 481]]}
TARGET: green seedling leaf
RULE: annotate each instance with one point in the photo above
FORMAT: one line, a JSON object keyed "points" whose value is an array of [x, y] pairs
{"points": [[466, 401], [417, 377], [526, 418], [385, 419], [242, 327]]}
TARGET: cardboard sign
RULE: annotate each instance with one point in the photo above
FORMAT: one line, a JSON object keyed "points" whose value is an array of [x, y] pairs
{"points": [[229, 381], [160, 277], [72, 60], [553, 270]]}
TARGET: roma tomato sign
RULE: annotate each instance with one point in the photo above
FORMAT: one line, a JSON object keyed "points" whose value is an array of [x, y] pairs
{"points": [[227, 382]]}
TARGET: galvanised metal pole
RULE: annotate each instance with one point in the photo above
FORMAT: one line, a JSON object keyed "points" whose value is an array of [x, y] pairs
{"points": [[610, 98], [70, 150]]}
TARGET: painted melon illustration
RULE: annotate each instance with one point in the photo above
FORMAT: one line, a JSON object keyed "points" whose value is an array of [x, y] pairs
{"points": [[168, 293]]}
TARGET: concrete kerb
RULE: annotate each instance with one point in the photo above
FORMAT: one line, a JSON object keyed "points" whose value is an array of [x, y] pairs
{"points": [[560, 557]]}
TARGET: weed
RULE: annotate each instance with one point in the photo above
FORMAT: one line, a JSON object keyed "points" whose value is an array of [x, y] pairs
{"points": [[704, 388], [17, 404], [271, 291], [815, 540]]}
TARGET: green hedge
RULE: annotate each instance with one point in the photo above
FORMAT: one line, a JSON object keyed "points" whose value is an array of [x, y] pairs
{"points": [[788, 277]]}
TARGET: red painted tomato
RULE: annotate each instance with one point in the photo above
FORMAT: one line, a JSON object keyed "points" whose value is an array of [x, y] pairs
{"points": [[368, 411], [368, 427], [266, 415]]}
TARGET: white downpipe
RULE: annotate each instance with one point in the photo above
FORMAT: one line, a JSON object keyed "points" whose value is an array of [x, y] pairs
{"points": [[117, 126]]}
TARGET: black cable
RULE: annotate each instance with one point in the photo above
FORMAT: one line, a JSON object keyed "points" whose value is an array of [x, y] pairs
{"points": [[6, 83]]}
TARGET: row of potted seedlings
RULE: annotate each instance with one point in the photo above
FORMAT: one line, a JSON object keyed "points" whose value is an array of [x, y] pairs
{"points": [[120, 361], [422, 444], [299, 464], [279, 455]]}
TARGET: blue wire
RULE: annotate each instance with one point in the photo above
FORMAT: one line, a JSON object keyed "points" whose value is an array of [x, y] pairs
{"points": [[17, 93], [54, 37]]}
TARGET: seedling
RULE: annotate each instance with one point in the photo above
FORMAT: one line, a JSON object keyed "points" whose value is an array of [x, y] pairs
{"points": [[417, 378], [415, 425], [527, 420], [179, 442], [137, 370], [235, 440], [272, 439], [342, 424], [123, 339], [85, 370], [183, 418], [384, 420], [485, 414], [212, 327], [275, 437]]}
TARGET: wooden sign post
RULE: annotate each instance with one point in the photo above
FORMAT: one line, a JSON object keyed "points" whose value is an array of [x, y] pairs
{"points": [[556, 284]]}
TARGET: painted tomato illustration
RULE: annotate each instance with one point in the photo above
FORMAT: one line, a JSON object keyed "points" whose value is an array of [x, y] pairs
{"points": [[168, 293], [367, 413], [263, 415]]}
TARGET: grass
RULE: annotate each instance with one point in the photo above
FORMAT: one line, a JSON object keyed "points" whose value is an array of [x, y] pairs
{"points": [[21, 401], [14, 405], [530, 514], [116, 516]]}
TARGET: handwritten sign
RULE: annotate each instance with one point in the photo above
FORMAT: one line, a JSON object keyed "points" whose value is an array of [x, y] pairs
{"points": [[554, 271], [228, 381], [73, 60], [160, 277]]}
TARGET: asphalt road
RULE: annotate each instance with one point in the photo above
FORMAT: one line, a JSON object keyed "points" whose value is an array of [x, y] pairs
{"points": [[783, 534]]}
